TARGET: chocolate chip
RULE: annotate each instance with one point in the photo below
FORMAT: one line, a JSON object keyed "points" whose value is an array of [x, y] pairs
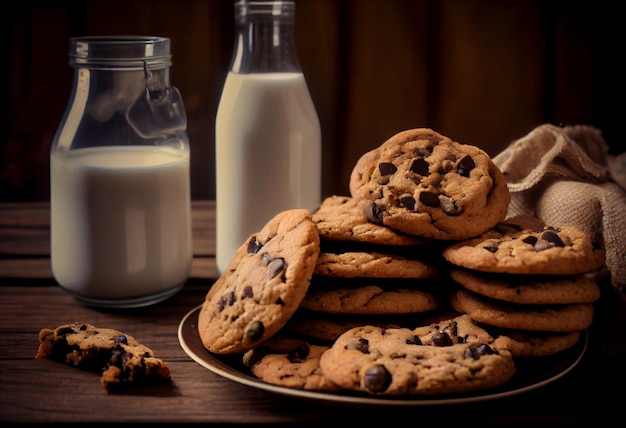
{"points": [[362, 345], [551, 236], [492, 248], [465, 165], [299, 354], [429, 199], [373, 213], [441, 339], [415, 340], [276, 266], [247, 292], [255, 332], [408, 201], [227, 299], [254, 245], [377, 379], [387, 168], [420, 166], [121, 339], [531, 240], [476, 351]]}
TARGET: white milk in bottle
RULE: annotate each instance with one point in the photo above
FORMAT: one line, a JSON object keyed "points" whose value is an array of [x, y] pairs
{"points": [[267, 132], [269, 161]]}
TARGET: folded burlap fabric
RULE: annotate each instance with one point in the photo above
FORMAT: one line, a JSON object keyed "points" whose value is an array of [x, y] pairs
{"points": [[562, 176]]}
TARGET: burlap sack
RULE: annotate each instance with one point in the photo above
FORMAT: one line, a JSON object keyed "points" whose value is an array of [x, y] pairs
{"points": [[562, 176]]}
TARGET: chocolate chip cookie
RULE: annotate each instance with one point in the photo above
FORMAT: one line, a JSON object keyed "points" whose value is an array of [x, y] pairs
{"points": [[529, 289], [339, 218], [368, 299], [549, 318], [555, 250], [263, 285], [381, 361], [117, 356], [290, 363], [424, 184], [536, 344], [372, 264]]}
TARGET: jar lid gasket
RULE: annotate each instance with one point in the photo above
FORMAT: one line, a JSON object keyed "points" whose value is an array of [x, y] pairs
{"points": [[115, 51]]}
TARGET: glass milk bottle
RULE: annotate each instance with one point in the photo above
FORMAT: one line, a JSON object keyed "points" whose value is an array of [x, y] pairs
{"points": [[119, 176], [267, 132]]}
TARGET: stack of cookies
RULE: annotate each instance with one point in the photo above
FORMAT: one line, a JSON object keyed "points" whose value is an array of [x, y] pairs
{"points": [[366, 273], [357, 295], [527, 282]]}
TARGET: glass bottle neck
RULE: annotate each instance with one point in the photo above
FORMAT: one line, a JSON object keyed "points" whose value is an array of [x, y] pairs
{"points": [[264, 37]]}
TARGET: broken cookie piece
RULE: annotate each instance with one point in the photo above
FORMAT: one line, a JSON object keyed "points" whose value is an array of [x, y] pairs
{"points": [[119, 358]]}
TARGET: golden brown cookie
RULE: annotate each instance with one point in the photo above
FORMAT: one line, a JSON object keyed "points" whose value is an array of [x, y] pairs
{"points": [[424, 184], [562, 250], [263, 285], [290, 363], [536, 344], [529, 289], [368, 299], [339, 218], [353, 264], [550, 318], [381, 361]]}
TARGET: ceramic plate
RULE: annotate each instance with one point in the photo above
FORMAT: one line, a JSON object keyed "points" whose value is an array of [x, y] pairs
{"points": [[531, 373]]}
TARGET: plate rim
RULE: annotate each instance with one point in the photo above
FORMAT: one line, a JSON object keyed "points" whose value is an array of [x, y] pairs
{"points": [[417, 401]]}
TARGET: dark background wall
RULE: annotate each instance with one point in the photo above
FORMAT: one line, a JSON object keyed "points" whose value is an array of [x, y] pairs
{"points": [[483, 72]]}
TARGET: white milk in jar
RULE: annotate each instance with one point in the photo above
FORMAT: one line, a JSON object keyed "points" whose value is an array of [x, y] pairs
{"points": [[120, 221], [268, 154]]}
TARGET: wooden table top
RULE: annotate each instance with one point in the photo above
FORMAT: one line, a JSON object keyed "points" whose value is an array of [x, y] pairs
{"points": [[38, 390]]}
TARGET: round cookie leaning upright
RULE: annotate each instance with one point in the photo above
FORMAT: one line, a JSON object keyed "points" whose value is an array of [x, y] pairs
{"points": [[424, 184], [262, 286]]}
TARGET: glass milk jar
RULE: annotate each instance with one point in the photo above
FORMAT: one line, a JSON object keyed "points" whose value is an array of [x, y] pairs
{"points": [[119, 176]]}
